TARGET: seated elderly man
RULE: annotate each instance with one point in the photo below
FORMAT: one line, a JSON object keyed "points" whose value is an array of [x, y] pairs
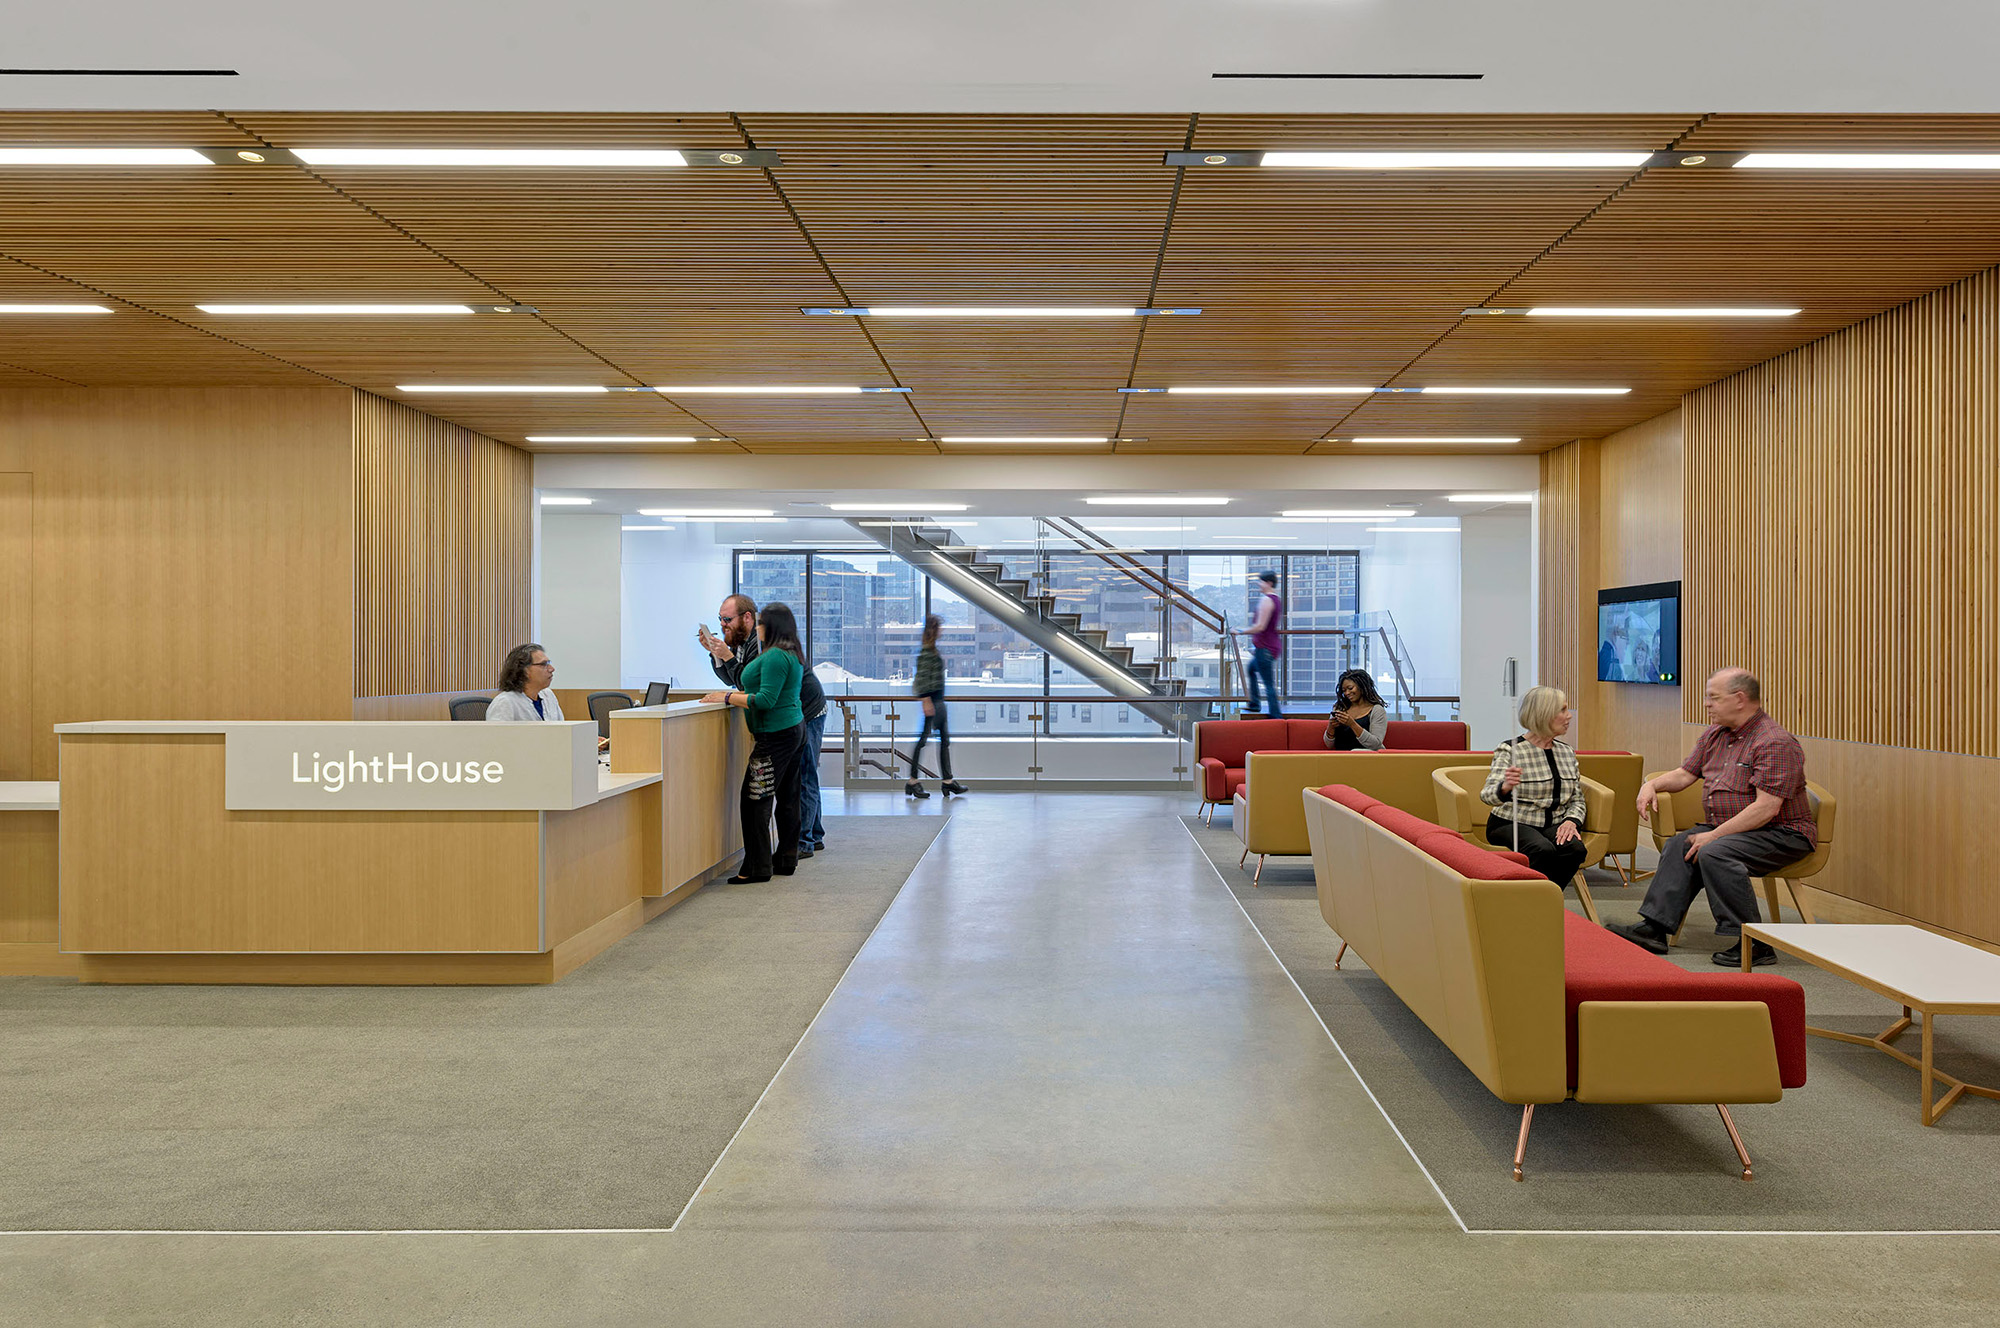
{"points": [[1755, 819]]}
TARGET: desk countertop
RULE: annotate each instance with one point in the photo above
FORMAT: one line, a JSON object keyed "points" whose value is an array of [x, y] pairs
{"points": [[36, 796]]}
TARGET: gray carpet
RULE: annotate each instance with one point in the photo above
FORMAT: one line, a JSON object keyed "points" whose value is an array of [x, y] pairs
{"points": [[600, 1101], [1844, 1153]]}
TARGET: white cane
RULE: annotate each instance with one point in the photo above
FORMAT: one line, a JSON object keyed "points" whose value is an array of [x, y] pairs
{"points": [[1515, 798]]}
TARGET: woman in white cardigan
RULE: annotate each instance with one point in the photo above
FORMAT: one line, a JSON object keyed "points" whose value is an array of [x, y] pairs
{"points": [[527, 694]]}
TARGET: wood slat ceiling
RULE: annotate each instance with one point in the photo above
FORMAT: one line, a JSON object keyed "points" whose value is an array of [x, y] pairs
{"points": [[697, 276]]}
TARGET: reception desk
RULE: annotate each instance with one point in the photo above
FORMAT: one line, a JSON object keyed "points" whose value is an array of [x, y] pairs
{"points": [[411, 852], [28, 882]]}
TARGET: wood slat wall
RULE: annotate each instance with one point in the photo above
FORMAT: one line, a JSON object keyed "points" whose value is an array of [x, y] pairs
{"points": [[443, 550], [1844, 546], [188, 556]]}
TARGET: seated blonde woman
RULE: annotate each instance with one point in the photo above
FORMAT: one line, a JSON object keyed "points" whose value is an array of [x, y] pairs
{"points": [[1536, 789]]}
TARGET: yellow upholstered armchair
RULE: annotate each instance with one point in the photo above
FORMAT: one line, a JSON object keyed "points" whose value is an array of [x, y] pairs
{"points": [[1675, 812], [1460, 810]]}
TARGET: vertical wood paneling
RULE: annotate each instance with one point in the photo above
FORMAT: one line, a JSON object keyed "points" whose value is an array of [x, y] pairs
{"points": [[17, 563], [191, 554], [1561, 551], [1842, 535], [443, 545], [1840, 542]]}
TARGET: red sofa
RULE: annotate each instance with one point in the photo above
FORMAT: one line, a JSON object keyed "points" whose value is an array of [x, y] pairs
{"points": [[1537, 1002], [1222, 747]]}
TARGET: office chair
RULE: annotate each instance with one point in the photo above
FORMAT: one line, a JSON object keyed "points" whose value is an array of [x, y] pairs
{"points": [[602, 704], [469, 707]]}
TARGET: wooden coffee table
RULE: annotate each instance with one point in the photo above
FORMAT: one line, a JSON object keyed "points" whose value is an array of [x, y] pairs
{"points": [[1927, 974]]}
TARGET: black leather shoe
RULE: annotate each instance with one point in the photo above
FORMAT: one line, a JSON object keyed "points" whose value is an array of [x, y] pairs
{"points": [[1644, 935], [748, 880], [805, 853], [915, 790], [1760, 955], [785, 866], [952, 786]]}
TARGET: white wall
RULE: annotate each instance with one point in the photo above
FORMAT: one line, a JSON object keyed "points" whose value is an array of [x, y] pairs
{"points": [[1415, 579], [1496, 608], [580, 591], [674, 580]]}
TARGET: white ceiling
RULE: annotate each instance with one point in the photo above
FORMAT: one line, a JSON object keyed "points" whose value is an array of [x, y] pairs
{"points": [[1020, 55]]}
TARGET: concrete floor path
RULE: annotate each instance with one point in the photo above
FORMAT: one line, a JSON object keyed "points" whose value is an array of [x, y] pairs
{"points": [[1065, 1082]]}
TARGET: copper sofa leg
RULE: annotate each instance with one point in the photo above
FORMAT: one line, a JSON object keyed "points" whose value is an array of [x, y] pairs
{"points": [[1342, 955], [1246, 856], [1521, 1144], [1257, 877], [1737, 1139]]}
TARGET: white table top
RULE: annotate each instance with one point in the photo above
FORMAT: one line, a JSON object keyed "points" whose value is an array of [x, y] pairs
{"points": [[1907, 964], [610, 785], [29, 796]]}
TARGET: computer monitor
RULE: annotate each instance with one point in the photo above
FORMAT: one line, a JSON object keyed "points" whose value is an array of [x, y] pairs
{"points": [[656, 693]]}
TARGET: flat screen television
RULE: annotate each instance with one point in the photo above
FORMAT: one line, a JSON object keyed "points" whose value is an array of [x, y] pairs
{"points": [[1639, 634]]}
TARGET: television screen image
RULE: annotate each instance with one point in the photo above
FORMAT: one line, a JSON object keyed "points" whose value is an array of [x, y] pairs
{"points": [[1638, 634]]}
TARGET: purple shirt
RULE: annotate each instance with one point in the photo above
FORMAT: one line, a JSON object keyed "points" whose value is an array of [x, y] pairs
{"points": [[1268, 639]]}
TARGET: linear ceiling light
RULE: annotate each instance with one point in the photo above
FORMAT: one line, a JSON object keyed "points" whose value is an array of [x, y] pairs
{"points": [[1171, 530], [771, 390], [1420, 442], [1414, 530], [1436, 161], [1491, 498], [1253, 537], [498, 387], [645, 527], [991, 311], [550, 500], [1295, 390], [1870, 161], [613, 157], [1024, 438], [101, 157], [55, 308], [333, 310], [1525, 391], [949, 525], [619, 438], [1328, 520], [1155, 500], [1641, 311], [1371, 513], [896, 507], [710, 513]]}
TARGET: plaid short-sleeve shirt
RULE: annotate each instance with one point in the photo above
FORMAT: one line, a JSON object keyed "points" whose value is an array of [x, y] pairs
{"points": [[1735, 764]]}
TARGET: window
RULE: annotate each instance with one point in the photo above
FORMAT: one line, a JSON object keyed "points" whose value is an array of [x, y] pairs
{"points": [[1124, 714], [1013, 714], [979, 714], [875, 709], [1086, 714]]}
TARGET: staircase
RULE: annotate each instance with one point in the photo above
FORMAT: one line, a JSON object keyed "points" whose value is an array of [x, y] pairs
{"points": [[938, 553]]}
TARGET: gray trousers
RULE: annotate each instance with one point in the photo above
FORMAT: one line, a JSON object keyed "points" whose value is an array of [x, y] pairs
{"points": [[1723, 868]]}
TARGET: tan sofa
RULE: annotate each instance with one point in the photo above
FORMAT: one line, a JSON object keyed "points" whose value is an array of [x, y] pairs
{"points": [[1536, 1001], [1269, 819], [1275, 827]]}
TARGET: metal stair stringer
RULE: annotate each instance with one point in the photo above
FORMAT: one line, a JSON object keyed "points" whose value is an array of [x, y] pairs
{"points": [[955, 566]]}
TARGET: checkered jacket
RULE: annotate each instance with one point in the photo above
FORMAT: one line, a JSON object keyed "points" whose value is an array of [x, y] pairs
{"points": [[1534, 802]]}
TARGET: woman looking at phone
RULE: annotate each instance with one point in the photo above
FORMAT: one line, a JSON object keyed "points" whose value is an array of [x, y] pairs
{"points": [[1361, 721]]}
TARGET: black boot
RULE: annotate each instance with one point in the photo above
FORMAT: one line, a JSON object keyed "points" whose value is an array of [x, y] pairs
{"points": [[953, 786], [915, 790]]}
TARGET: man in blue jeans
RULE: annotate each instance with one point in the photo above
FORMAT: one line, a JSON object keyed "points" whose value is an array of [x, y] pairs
{"points": [[812, 700], [1266, 645]]}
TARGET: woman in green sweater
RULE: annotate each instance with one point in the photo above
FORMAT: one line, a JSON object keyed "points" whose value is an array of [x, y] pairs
{"points": [[769, 693], [929, 688]]}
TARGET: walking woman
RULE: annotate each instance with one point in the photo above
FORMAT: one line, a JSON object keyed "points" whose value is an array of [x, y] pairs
{"points": [[769, 692], [929, 688]]}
